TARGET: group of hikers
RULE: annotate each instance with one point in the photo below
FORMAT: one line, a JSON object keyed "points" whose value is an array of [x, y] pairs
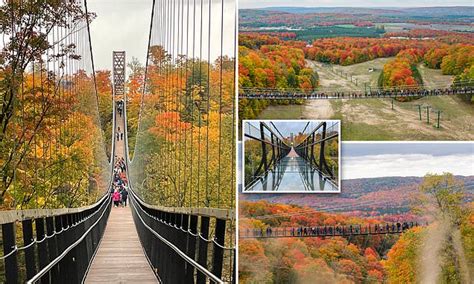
{"points": [[332, 230], [275, 94], [120, 107], [119, 189], [119, 135]]}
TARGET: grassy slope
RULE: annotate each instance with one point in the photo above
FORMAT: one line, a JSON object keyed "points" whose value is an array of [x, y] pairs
{"points": [[374, 119]]}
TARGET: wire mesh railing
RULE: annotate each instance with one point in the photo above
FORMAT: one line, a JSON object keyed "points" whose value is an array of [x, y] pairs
{"points": [[51, 245], [264, 147], [52, 144], [181, 123], [320, 147], [329, 231], [339, 93], [53, 150]]}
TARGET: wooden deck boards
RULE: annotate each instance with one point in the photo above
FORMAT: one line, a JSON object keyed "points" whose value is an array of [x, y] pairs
{"points": [[120, 258]]}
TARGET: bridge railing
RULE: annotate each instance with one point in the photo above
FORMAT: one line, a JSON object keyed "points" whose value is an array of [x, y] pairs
{"points": [[329, 231], [51, 245], [180, 245], [272, 148], [315, 148], [286, 94]]}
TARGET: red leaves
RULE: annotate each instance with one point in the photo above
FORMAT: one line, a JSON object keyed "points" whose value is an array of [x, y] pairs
{"points": [[168, 125]]}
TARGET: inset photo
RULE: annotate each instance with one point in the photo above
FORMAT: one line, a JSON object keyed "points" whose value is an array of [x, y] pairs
{"points": [[291, 156]]}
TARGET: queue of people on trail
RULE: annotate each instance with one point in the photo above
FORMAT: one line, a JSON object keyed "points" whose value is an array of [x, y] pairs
{"points": [[120, 107], [332, 230], [275, 94], [119, 188]]}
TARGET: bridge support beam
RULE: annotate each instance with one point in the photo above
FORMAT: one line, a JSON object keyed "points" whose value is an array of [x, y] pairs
{"points": [[11, 264], [30, 251], [218, 250], [42, 248], [202, 260], [191, 248], [52, 248]]}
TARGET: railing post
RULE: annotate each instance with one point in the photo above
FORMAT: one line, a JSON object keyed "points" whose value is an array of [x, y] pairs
{"points": [[191, 248], [311, 159], [168, 265], [30, 251], [218, 250], [70, 267], [11, 264], [60, 242], [42, 248], [161, 247], [202, 260], [180, 243], [274, 159], [321, 148], [234, 267], [264, 149], [52, 249], [82, 247], [155, 246]]}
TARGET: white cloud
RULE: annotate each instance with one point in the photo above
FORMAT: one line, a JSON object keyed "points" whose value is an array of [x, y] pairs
{"points": [[405, 165]]}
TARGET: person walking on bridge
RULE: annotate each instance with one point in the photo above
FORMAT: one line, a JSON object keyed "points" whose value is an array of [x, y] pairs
{"points": [[116, 198], [124, 195]]}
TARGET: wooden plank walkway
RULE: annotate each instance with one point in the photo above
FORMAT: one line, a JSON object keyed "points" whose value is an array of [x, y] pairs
{"points": [[120, 258]]}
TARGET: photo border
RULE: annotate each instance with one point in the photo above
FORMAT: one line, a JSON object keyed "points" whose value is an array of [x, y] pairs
{"points": [[242, 159]]}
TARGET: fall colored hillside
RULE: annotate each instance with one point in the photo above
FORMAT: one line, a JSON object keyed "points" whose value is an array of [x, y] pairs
{"points": [[439, 252], [380, 198]]}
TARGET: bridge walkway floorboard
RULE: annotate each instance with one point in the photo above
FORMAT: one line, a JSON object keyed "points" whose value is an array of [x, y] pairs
{"points": [[120, 257]]}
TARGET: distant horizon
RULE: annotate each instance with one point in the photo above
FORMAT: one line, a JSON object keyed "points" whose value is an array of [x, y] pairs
{"points": [[398, 176], [371, 4], [365, 7], [371, 160]]}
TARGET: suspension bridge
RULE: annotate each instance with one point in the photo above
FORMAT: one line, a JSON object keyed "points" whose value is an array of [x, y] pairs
{"points": [[329, 231], [179, 173], [282, 165], [324, 94]]}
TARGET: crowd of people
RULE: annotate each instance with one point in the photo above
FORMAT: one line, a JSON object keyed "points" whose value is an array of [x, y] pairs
{"points": [[120, 107], [294, 94], [332, 230], [119, 189]]}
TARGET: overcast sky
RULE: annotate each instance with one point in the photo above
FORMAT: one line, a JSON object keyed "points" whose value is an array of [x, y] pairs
{"points": [[366, 160], [124, 25], [120, 25], [355, 3], [288, 127]]}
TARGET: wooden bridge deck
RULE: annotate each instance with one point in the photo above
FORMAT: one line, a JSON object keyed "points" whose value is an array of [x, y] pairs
{"points": [[120, 258]]}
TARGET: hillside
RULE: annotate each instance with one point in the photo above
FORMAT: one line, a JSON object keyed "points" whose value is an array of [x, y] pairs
{"points": [[422, 11], [308, 17], [362, 197]]}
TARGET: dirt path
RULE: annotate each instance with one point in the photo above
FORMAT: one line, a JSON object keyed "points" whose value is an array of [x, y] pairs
{"points": [[329, 80], [434, 78], [318, 109]]}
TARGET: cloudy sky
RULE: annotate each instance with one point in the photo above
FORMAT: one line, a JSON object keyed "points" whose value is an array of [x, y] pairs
{"points": [[365, 160], [287, 127], [120, 25], [354, 3], [124, 25]]}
